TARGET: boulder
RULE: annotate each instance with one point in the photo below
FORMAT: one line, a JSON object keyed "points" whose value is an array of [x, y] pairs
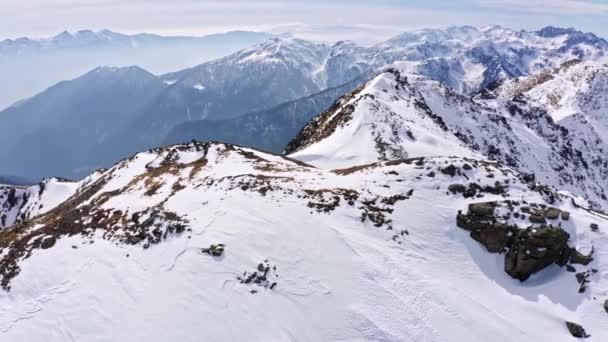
{"points": [[577, 330], [577, 257], [552, 213], [565, 215], [529, 178], [494, 237], [606, 305], [457, 188], [594, 227], [48, 242], [485, 209], [214, 250], [449, 170], [533, 250], [537, 218]]}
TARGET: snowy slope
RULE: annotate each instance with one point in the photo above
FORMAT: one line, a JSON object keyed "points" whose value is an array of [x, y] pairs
{"points": [[400, 115], [572, 92], [260, 77], [19, 204], [468, 58], [357, 254]]}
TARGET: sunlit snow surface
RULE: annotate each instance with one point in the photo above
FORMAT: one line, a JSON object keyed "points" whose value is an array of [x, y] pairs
{"points": [[339, 279]]}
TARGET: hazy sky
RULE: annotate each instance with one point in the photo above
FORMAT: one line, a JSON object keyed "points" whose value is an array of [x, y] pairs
{"points": [[383, 17]]}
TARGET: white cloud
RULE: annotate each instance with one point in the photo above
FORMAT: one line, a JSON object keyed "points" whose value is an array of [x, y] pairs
{"points": [[549, 7], [382, 17]]}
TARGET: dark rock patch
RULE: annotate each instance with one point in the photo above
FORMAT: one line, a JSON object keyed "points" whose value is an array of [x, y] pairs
{"points": [[533, 250], [577, 257], [577, 330], [214, 250], [264, 276], [450, 170]]}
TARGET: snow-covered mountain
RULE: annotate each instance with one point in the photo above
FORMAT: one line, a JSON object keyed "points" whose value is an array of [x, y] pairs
{"points": [[260, 77], [455, 196], [401, 115], [283, 71], [574, 94], [71, 129], [20, 203], [468, 58], [29, 66], [267, 130], [221, 242]]}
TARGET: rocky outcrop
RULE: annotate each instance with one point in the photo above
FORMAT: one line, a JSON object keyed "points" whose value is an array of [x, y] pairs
{"points": [[527, 250], [214, 250], [534, 249], [577, 330], [577, 257]]}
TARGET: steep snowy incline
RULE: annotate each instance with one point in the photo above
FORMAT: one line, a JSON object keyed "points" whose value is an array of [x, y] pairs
{"points": [[227, 243], [19, 204], [400, 115], [468, 58], [574, 91]]}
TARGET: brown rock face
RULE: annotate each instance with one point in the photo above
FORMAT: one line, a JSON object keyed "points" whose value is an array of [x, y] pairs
{"points": [[535, 249], [494, 237]]}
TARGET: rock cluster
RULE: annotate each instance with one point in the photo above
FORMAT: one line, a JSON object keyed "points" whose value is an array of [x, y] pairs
{"points": [[214, 250], [527, 250], [265, 276], [475, 190]]}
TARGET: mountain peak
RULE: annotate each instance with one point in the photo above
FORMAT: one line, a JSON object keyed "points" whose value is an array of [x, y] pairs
{"points": [[553, 31]]}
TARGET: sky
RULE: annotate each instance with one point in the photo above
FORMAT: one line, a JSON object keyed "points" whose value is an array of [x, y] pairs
{"points": [[363, 20]]}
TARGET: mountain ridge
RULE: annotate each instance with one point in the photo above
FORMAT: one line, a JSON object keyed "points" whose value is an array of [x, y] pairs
{"points": [[226, 225]]}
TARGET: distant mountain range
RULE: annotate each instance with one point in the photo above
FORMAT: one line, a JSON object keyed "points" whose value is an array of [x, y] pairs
{"points": [[31, 65], [254, 95], [446, 185]]}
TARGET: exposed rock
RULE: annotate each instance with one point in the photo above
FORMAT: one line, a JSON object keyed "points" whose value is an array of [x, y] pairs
{"points": [[577, 330], [457, 188], [493, 236], [449, 170], [485, 209], [537, 218], [552, 213], [214, 250], [565, 215], [577, 257], [606, 305], [594, 227], [48, 242], [533, 250], [529, 177], [583, 279]]}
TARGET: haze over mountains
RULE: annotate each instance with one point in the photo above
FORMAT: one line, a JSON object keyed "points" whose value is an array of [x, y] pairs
{"points": [[444, 185], [150, 110], [32, 65]]}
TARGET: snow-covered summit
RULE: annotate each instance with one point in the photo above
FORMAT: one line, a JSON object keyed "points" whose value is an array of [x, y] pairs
{"points": [[175, 242], [402, 115]]}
